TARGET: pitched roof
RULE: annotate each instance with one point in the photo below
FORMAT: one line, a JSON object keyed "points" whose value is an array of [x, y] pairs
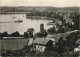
{"points": [[68, 20], [57, 36], [41, 41], [64, 35]]}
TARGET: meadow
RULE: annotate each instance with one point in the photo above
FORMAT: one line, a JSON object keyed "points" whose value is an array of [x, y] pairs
{"points": [[12, 44]]}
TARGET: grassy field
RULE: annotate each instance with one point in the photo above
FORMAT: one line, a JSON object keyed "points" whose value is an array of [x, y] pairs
{"points": [[12, 44]]}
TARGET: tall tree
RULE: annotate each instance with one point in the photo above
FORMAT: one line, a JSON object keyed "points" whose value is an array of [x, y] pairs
{"points": [[30, 32], [25, 35], [15, 34]]}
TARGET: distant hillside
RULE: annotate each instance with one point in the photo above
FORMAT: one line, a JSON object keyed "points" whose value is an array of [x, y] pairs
{"points": [[23, 9]]}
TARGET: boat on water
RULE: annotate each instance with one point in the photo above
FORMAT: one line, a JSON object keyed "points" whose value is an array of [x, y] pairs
{"points": [[18, 21]]}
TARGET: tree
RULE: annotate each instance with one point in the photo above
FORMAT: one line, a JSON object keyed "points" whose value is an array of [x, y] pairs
{"points": [[41, 35], [15, 34], [75, 17], [50, 51], [61, 45], [70, 42], [26, 35], [4, 34], [30, 32], [51, 30], [9, 53]]}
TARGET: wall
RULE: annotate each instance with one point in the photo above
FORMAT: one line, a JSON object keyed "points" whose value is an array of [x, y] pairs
{"points": [[30, 41], [40, 48]]}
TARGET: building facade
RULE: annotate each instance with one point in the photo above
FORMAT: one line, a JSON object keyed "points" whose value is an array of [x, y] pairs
{"points": [[39, 44]]}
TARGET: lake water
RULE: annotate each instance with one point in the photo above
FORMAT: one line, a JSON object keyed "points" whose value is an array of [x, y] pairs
{"points": [[7, 23]]}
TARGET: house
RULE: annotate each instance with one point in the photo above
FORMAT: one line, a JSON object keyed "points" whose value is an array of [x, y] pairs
{"points": [[56, 37], [69, 20], [39, 44], [76, 49]]}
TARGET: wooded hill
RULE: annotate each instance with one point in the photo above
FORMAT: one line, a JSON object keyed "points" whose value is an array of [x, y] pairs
{"points": [[41, 9]]}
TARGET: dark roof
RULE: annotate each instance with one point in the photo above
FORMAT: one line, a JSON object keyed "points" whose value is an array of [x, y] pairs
{"points": [[41, 41], [63, 35], [57, 36], [78, 41]]}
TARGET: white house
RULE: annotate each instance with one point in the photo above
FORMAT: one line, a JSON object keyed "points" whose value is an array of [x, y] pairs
{"points": [[76, 49], [39, 44]]}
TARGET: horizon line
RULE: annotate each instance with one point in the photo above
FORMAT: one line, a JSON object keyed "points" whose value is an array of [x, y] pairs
{"points": [[40, 6]]}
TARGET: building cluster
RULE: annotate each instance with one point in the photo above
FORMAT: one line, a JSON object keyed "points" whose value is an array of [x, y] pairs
{"points": [[39, 44]]}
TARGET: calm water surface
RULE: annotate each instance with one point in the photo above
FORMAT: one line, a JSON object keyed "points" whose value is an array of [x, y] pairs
{"points": [[7, 23]]}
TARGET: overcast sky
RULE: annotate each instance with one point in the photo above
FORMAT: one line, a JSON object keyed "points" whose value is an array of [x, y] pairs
{"points": [[54, 3]]}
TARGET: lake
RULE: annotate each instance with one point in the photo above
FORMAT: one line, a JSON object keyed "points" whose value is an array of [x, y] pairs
{"points": [[7, 23]]}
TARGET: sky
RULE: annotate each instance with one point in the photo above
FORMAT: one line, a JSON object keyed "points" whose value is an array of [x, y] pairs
{"points": [[53, 3]]}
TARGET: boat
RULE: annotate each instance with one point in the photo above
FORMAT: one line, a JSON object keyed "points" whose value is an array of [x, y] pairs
{"points": [[18, 21]]}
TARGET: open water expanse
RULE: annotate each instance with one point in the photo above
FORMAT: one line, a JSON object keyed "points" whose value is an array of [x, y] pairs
{"points": [[7, 23]]}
